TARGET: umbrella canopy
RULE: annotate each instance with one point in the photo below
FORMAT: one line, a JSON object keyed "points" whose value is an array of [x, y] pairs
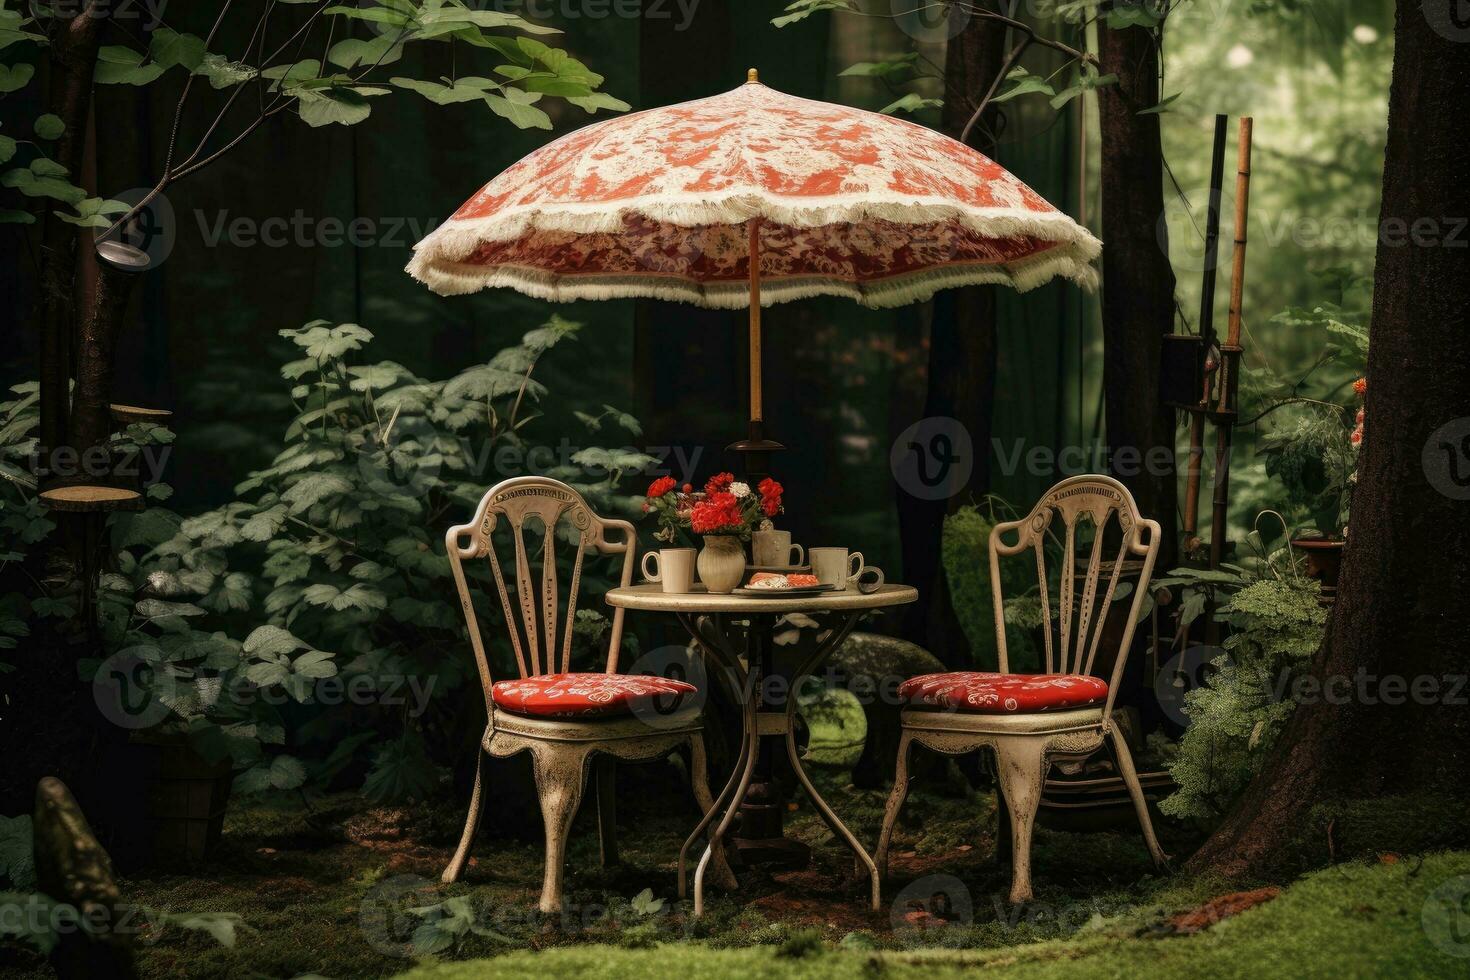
{"points": [[672, 203]]}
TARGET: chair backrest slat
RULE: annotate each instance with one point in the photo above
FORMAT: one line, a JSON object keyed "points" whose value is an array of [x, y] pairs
{"points": [[510, 506], [566, 650], [1082, 617]]}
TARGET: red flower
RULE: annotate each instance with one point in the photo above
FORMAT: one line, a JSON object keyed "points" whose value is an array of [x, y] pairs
{"points": [[717, 513], [688, 488], [662, 486], [1360, 387], [770, 492], [719, 483]]}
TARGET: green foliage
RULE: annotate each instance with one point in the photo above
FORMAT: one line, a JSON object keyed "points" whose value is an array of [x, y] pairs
{"points": [[331, 566], [1276, 626], [360, 40], [966, 556]]}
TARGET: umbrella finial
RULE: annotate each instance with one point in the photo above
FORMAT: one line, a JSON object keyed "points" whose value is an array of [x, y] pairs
{"points": [[752, 77]]}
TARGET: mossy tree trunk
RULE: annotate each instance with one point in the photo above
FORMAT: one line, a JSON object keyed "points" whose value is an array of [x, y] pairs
{"points": [[1401, 610], [1138, 282], [961, 366]]}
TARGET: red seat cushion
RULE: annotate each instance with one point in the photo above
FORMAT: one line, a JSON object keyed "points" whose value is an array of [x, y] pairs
{"points": [[999, 694], [588, 695]]}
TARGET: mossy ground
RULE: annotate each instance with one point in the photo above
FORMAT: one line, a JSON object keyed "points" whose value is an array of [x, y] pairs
{"points": [[327, 891]]}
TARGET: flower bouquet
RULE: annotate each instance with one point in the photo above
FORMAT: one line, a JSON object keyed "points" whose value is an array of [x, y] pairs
{"points": [[724, 513]]}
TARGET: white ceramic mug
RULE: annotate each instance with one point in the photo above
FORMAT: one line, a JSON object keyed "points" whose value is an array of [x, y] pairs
{"points": [[773, 549], [835, 566], [673, 568]]}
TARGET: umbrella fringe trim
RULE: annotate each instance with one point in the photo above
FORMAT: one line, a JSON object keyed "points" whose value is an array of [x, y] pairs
{"points": [[452, 279], [456, 238]]}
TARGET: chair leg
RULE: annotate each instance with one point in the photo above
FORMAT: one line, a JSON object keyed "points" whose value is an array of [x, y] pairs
{"points": [[560, 773], [607, 830], [471, 824], [1022, 766], [895, 803], [699, 783], [1135, 790]]}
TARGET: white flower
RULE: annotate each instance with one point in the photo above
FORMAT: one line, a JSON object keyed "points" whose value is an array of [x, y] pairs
{"points": [[740, 489]]}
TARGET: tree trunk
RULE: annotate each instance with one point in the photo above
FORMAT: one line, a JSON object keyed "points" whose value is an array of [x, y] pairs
{"points": [[73, 55], [962, 360], [91, 419], [1138, 282], [1401, 610]]}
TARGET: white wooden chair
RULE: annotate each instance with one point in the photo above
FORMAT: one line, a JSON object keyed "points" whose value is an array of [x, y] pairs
{"points": [[563, 719], [1033, 720]]}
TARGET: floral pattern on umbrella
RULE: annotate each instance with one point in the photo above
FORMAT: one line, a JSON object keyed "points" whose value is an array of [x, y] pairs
{"points": [[851, 203]]}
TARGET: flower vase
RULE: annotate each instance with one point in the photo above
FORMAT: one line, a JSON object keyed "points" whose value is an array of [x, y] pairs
{"points": [[721, 563]]}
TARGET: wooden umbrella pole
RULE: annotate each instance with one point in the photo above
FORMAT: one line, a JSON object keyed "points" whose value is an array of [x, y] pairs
{"points": [[756, 409], [1230, 352]]}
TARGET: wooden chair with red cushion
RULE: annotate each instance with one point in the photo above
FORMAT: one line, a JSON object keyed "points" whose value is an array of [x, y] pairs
{"points": [[1033, 720], [565, 720]]}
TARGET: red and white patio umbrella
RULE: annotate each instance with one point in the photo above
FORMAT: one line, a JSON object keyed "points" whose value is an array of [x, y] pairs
{"points": [[753, 197]]}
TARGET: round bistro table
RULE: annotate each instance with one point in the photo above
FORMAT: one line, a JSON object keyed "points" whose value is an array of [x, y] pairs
{"points": [[714, 622]]}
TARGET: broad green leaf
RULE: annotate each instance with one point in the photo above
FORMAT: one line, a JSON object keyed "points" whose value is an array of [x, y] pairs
{"points": [[9, 216], [464, 90], [1163, 105], [912, 102], [599, 100], [520, 113], [313, 489], [7, 148], [802, 9], [168, 47], [224, 73], [352, 52], [897, 69], [1025, 84], [15, 77], [49, 126], [343, 106], [271, 640]]}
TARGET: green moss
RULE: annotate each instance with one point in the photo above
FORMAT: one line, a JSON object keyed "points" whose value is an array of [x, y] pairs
{"points": [[1352, 920]]}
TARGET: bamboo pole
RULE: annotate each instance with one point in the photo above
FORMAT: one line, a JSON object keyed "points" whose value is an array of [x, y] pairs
{"points": [[1225, 431], [756, 409], [1206, 332]]}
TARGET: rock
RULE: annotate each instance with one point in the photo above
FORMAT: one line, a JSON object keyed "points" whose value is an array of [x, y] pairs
{"points": [[72, 868], [872, 666]]}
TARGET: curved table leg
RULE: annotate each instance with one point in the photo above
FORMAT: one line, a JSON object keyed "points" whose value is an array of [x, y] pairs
{"points": [[712, 638], [838, 828]]}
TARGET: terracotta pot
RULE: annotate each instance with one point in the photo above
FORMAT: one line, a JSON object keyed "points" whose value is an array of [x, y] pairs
{"points": [[1324, 559], [721, 562]]}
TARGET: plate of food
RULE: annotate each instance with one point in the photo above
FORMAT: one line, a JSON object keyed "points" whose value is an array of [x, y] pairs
{"points": [[775, 585]]}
